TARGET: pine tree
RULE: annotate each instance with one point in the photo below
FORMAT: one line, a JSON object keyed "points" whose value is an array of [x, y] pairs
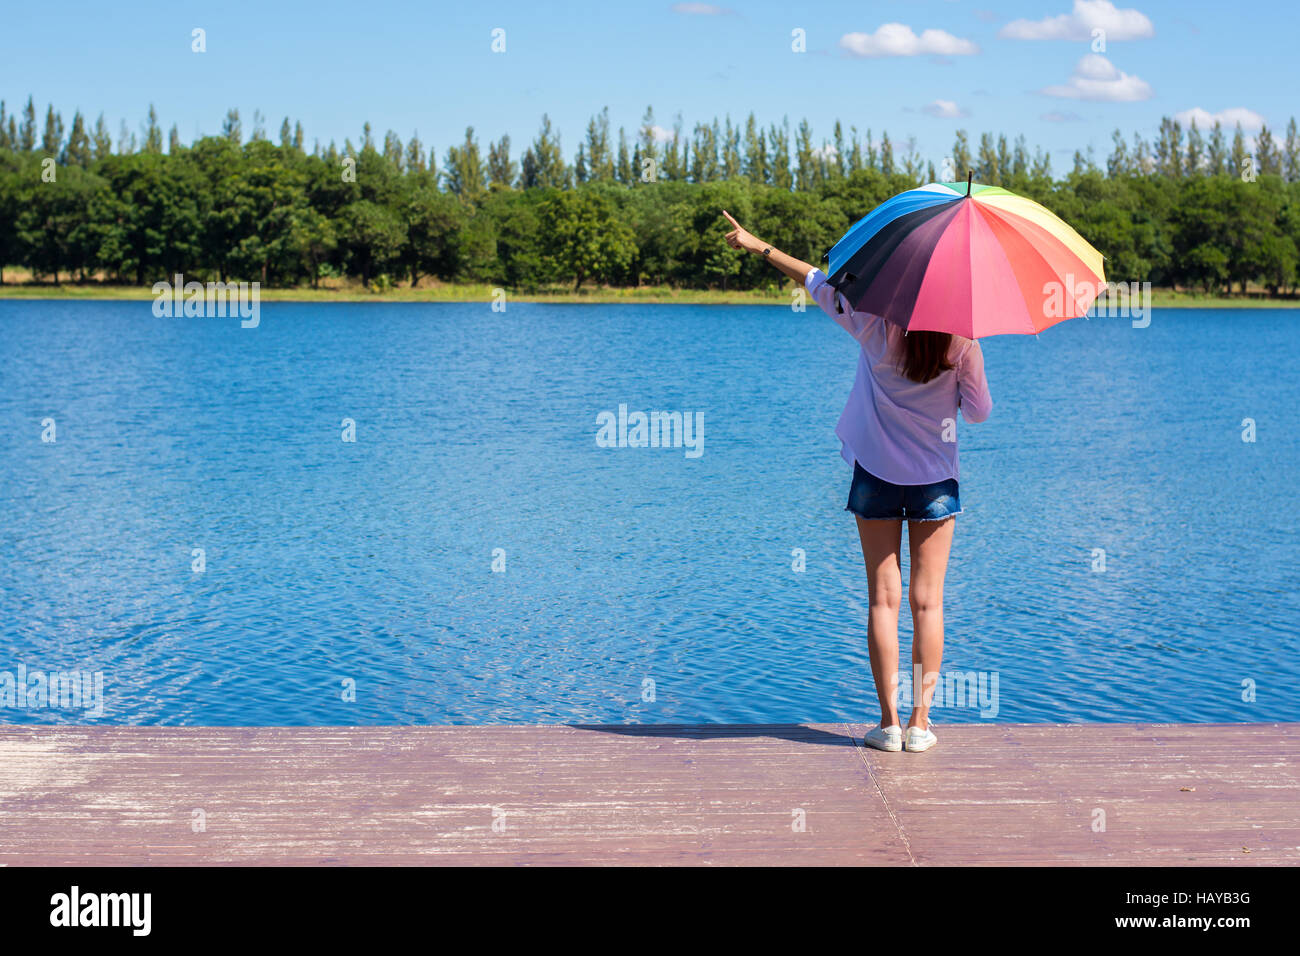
{"points": [[647, 141], [77, 150], [1237, 158], [502, 170], [1267, 156], [886, 155], [231, 128], [1119, 163], [27, 131], [986, 166], [673, 163], [543, 162], [1020, 158], [174, 141], [465, 169], [855, 154], [1195, 150], [1291, 153], [1042, 168], [732, 162], [393, 149], [297, 137], [1169, 148], [415, 154], [806, 172], [961, 161], [599, 158], [4, 133], [580, 171], [779, 164], [1004, 159], [53, 138], [756, 164], [152, 133], [101, 141], [286, 134], [624, 168], [913, 168], [1216, 153], [704, 165]]}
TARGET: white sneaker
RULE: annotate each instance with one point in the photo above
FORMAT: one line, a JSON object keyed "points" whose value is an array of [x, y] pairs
{"points": [[885, 738], [918, 739]]}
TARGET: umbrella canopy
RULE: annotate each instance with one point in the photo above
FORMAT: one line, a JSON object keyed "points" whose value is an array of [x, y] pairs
{"points": [[966, 258]]}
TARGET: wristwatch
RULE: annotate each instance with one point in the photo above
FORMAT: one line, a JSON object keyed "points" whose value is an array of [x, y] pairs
{"points": [[767, 251]]}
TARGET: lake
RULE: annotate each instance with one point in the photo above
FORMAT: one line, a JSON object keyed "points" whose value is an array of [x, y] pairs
{"points": [[200, 534]]}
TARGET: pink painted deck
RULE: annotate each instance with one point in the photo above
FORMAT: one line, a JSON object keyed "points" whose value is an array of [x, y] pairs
{"points": [[1173, 795]]}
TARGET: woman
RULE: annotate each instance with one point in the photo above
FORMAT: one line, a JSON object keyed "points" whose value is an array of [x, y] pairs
{"points": [[899, 431]]}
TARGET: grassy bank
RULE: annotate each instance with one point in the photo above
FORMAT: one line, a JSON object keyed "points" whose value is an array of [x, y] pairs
{"points": [[646, 295]]}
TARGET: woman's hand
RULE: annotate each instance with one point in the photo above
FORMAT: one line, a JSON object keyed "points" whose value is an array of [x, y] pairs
{"points": [[740, 238]]}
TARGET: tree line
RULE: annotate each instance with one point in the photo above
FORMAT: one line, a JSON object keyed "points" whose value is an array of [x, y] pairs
{"points": [[1190, 208]]}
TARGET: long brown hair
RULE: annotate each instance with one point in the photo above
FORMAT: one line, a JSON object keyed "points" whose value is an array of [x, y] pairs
{"points": [[924, 355]]}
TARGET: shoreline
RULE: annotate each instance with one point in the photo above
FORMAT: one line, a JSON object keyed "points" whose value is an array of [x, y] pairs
{"points": [[483, 294]]}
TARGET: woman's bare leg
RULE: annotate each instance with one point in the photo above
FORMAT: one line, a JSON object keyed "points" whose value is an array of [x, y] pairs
{"points": [[929, 543], [881, 541]]}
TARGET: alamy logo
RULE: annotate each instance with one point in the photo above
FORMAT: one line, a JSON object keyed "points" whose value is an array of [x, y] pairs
{"points": [[102, 909], [651, 430], [213, 300], [81, 690]]}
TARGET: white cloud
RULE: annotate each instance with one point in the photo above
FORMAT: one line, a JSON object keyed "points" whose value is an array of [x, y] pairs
{"points": [[1078, 24], [661, 135], [700, 9], [826, 151], [897, 39], [1096, 78], [944, 109], [1248, 119]]}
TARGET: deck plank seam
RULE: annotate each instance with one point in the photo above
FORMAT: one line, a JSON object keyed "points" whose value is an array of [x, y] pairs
{"points": [[884, 798]]}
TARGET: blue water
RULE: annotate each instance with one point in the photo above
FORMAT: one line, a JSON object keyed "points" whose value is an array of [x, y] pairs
{"points": [[640, 585]]}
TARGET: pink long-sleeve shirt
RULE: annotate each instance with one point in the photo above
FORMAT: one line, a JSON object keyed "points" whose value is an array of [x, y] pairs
{"points": [[897, 429]]}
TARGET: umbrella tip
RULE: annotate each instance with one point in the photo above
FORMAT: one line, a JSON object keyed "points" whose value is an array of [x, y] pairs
{"points": [[968, 179]]}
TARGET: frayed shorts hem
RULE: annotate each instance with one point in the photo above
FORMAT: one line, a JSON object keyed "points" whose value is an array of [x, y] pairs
{"points": [[900, 517]]}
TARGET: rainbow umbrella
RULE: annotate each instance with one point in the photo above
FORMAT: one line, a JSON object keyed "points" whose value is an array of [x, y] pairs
{"points": [[966, 258]]}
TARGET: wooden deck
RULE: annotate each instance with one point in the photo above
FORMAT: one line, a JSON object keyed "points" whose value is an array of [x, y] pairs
{"points": [[1003, 794]]}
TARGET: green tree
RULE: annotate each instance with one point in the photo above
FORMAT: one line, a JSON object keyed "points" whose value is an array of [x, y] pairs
{"points": [[586, 239], [433, 222], [373, 237]]}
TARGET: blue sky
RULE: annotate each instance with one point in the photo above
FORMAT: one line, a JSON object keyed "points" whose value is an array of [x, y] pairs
{"points": [[429, 66]]}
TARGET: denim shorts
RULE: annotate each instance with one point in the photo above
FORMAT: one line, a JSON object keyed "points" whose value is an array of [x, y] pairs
{"points": [[872, 497]]}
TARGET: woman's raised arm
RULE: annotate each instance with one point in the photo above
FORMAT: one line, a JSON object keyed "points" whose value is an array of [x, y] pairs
{"points": [[740, 238]]}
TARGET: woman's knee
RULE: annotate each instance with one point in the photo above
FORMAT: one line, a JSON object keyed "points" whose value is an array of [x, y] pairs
{"points": [[886, 594], [925, 599]]}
